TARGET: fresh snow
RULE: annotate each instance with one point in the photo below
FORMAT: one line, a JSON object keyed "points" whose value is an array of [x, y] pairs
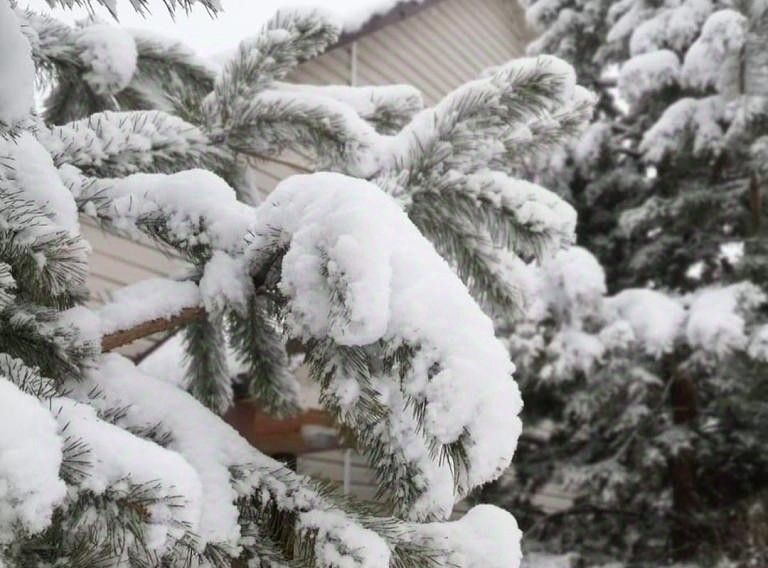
{"points": [[149, 299], [722, 37], [347, 235], [116, 459], [716, 322], [30, 458], [36, 179], [649, 73], [17, 73], [110, 54], [655, 318]]}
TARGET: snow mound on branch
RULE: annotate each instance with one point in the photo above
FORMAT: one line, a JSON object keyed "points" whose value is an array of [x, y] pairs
{"points": [[201, 207], [655, 318], [35, 176], [213, 449], [648, 73], [697, 118], [673, 28], [716, 317], [117, 459], [153, 298], [110, 54], [573, 280], [722, 37], [30, 458], [17, 72], [758, 345], [485, 537], [358, 271]]}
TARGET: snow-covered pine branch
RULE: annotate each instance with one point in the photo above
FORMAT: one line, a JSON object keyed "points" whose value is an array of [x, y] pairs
{"points": [[464, 153], [406, 359]]}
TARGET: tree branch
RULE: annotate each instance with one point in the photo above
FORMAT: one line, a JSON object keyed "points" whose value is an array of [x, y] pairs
{"points": [[122, 337]]}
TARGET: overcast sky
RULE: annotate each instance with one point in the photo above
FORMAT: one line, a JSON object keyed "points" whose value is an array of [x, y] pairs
{"points": [[240, 19]]}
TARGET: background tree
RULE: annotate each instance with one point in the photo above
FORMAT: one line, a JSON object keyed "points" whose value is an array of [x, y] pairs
{"points": [[406, 360], [662, 436]]}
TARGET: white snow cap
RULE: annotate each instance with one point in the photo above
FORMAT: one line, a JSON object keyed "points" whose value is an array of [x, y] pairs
{"points": [[38, 180], [30, 458], [654, 317], [485, 537], [110, 53], [17, 72], [722, 37], [716, 317], [648, 73], [573, 281]]}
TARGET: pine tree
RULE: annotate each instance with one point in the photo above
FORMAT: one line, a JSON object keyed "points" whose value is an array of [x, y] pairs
{"points": [[104, 465], [657, 440]]}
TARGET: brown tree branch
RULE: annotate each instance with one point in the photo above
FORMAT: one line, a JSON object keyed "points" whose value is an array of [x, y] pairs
{"points": [[122, 337]]}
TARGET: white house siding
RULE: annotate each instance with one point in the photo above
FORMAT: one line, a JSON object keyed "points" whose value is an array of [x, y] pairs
{"points": [[436, 50]]}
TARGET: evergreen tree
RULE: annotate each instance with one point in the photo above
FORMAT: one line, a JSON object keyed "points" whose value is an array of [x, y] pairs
{"points": [[597, 373], [104, 465], [651, 402]]}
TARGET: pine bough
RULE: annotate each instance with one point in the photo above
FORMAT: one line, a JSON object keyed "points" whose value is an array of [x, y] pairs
{"points": [[103, 465]]}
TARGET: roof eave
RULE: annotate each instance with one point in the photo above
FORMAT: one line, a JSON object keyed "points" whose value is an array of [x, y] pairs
{"points": [[399, 13]]}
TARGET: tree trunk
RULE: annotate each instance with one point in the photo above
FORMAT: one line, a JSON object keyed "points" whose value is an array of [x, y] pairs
{"points": [[682, 466]]}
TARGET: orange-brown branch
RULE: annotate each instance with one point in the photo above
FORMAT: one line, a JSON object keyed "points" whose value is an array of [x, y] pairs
{"points": [[122, 337]]}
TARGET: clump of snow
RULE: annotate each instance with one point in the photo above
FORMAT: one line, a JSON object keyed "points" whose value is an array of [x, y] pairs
{"points": [[17, 72], [647, 74], [214, 449], [758, 344], [591, 145], [716, 317], [533, 207], [117, 459], [225, 283], [366, 101], [698, 120], [35, 176], [571, 283], [30, 458], [201, 208], [332, 523], [574, 350], [654, 317], [347, 240], [722, 37], [149, 299], [110, 55], [674, 27], [485, 537]]}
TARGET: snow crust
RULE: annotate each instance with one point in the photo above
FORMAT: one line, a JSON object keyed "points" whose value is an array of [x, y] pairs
{"points": [[17, 72], [30, 458]]}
